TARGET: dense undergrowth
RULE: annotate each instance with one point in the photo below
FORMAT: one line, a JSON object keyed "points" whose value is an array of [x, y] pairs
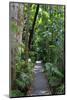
{"points": [[24, 73], [55, 78], [47, 44]]}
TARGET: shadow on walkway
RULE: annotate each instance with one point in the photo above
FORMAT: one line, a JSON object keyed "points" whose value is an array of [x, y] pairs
{"points": [[40, 84]]}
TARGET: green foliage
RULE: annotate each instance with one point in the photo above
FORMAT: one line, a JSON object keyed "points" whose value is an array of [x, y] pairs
{"points": [[52, 69], [55, 78], [16, 93], [23, 73], [23, 81], [60, 89], [14, 27], [47, 45], [53, 81], [32, 56]]}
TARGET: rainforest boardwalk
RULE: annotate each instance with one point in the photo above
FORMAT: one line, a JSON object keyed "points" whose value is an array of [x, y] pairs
{"points": [[40, 84]]}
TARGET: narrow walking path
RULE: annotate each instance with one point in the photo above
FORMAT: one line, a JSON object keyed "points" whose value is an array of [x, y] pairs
{"points": [[40, 84]]}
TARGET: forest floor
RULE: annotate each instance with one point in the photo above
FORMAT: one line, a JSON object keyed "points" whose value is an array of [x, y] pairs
{"points": [[40, 83]]}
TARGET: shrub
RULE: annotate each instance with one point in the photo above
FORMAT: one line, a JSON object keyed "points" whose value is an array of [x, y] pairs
{"points": [[55, 78], [16, 93]]}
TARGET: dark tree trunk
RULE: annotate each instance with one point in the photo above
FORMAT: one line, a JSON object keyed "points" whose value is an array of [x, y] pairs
{"points": [[32, 30]]}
